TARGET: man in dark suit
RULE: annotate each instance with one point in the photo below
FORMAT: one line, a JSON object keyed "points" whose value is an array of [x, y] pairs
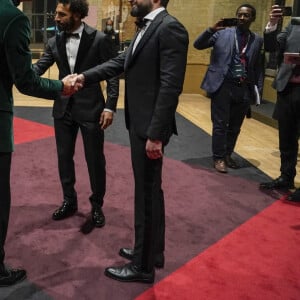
{"points": [[234, 70], [76, 48], [287, 108], [154, 67], [15, 68]]}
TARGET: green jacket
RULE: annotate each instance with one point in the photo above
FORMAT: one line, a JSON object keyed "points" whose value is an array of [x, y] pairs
{"points": [[16, 68]]}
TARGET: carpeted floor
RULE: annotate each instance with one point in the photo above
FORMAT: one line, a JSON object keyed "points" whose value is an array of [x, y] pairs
{"points": [[223, 235]]}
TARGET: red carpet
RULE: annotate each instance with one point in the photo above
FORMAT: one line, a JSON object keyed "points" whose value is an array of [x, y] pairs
{"points": [[257, 261], [218, 244], [27, 131]]}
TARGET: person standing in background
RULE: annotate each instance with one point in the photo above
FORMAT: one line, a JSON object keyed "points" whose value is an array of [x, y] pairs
{"points": [[77, 48], [235, 69], [154, 68], [287, 108], [16, 68], [113, 36]]}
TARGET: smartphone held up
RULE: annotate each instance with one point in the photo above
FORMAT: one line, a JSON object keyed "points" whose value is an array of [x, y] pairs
{"points": [[229, 22]]}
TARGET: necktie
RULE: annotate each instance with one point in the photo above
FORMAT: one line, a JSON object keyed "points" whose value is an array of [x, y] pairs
{"points": [[73, 35]]}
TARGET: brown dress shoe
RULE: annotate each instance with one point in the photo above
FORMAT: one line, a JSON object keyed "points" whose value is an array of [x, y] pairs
{"points": [[220, 165]]}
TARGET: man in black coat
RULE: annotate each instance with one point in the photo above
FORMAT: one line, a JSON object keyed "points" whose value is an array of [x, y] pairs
{"points": [[154, 67], [287, 109], [76, 48]]}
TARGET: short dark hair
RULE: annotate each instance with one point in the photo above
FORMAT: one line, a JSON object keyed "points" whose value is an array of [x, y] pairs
{"points": [[80, 7], [164, 3], [249, 6]]}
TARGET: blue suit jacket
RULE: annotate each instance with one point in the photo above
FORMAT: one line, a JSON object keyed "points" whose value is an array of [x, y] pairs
{"points": [[223, 43]]}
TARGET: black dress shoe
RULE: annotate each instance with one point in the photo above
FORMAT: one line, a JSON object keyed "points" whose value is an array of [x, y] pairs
{"points": [[67, 209], [231, 163], [98, 217], [129, 273], [294, 197], [128, 254], [10, 277], [279, 183]]}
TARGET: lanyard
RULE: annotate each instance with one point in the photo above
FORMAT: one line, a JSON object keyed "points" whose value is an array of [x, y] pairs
{"points": [[243, 51]]}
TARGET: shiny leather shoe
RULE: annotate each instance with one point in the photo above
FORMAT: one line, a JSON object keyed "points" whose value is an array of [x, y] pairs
{"points": [[279, 183], [67, 209], [231, 163], [129, 273], [10, 277], [128, 254], [220, 165], [294, 197], [98, 217]]}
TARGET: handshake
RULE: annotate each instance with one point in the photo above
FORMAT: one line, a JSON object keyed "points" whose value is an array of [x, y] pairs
{"points": [[72, 84]]}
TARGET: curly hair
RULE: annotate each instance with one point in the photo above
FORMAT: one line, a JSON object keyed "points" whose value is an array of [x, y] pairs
{"points": [[77, 6]]}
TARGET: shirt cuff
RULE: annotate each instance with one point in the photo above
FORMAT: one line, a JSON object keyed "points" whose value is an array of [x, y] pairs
{"points": [[107, 109], [270, 28]]}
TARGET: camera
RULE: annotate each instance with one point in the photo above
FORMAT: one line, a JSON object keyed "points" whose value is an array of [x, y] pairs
{"points": [[228, 22]]}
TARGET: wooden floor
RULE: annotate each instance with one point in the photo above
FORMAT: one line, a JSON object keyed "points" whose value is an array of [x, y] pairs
{"points": [[257, 143]]}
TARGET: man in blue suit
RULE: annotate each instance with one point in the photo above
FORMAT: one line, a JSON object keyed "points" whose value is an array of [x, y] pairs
{"points": [[230, 80]]}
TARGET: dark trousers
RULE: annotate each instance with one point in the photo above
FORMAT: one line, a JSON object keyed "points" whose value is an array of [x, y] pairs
{"points": [[287, 111], [149, 210], [5, 166], [66, 131], [229, 106]]}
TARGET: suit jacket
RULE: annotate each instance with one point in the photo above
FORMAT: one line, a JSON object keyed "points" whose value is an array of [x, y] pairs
{"points": [[154, 76], [16, 66], [285, 41], [223, 43], [94, 48]]}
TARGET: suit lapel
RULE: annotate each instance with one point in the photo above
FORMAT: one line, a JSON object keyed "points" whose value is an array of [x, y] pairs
{"points": [[61, 47], [148, 33], [87, 38]]}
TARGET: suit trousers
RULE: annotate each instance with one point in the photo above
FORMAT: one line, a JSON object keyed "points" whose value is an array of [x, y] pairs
{"points": [[5, 166], [149, 209], [229, 106], [287, 112], [66, 131]]}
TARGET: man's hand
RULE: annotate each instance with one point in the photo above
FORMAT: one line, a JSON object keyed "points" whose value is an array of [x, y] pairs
{"points": [[275, 15], [71, 87], [106, 119], [78, 79], [154, 149], [218, 26]]}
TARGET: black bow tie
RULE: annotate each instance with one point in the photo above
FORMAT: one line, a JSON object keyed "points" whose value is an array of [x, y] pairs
{"points": [[141, 23], [73, 35]]}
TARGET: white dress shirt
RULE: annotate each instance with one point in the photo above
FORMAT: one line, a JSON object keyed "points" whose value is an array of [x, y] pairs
{"points": [[72, 45], [149, 17]]}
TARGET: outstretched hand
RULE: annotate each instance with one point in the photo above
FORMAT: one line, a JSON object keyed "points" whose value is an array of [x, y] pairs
{"points": [[71, 86]]}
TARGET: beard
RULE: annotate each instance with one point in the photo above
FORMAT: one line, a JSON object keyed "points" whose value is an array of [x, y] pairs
{"points": [[67, 27], [141, 10]]}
